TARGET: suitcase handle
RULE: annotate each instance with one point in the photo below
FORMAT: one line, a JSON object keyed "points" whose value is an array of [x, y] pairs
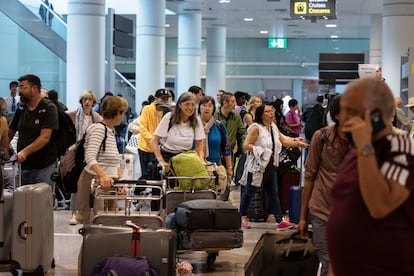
{"points": [[24, 230]]}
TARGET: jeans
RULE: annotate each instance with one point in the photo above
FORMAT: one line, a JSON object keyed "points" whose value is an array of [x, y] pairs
{"points": [[37, 175], [321, 246], [270, 186]]}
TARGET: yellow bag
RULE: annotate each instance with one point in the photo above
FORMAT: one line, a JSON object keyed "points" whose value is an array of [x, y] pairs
{"points": [[218, 184]]}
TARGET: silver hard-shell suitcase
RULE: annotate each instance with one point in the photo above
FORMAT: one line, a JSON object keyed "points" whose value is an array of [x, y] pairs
{"points": [[6, 202], [32, 229], [99, 241]]}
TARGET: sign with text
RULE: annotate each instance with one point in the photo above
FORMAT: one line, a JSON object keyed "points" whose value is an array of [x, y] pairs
{"points": [[313, 8], [276, 43]]}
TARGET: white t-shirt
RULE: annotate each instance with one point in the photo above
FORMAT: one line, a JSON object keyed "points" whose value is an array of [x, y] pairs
{"points": [[180, 137]]}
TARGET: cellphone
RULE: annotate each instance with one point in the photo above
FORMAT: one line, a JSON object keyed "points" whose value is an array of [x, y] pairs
{"points": [[376, 121]]}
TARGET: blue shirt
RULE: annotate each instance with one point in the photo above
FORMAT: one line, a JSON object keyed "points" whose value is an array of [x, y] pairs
{"points": [[218, 144]]}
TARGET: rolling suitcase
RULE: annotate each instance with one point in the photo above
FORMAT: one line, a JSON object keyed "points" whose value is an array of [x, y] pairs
{"points": [[143, 221], [258, 209], [210, 239], [158, 246], [207, 214], [295, 204], [283, 254], [173, 198], [290, 178], [32, 228], [6, 202]]}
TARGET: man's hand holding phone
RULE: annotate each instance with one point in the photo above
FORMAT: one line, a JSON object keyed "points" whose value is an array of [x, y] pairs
{"points": [[361, 130]]}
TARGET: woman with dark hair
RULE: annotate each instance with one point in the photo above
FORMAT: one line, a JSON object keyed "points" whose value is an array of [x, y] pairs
{"points": [[328, 148], [216, 145], [178, 131], [281, 120], [263, 144], [293, 117]]}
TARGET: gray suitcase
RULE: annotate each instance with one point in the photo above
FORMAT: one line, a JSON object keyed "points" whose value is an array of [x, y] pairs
{"points": [[32, 227], [99, 241], [143, 221], [6, 202]]}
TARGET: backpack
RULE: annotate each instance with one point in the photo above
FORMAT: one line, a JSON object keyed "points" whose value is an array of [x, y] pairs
{"points": [[65, 136], [72, 163], [315, 121]]}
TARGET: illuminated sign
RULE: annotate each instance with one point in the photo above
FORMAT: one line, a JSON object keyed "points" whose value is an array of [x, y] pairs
{"points": [[276, 43], [313, 8]]}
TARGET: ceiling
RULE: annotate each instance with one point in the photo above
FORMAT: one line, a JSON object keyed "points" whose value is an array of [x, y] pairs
{"points": [[352, 18]]}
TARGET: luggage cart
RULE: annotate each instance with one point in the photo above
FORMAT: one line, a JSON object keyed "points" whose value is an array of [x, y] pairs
{"points": [[173, 197], [116, 203]]}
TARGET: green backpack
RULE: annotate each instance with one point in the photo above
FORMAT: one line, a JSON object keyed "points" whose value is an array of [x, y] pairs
{"points": [[189, 164]]}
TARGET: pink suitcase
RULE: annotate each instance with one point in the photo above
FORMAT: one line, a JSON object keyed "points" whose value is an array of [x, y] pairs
{"points": [[32, 229]]}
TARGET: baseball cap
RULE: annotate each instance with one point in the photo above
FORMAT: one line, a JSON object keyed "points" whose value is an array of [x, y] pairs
{"points": [[162, 93]]}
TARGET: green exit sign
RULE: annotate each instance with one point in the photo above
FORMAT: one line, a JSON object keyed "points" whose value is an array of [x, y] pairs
{"points": [[276, 43]]}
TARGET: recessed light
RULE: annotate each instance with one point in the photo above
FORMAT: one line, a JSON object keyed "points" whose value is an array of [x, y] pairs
{"points": [[264, 32], [248, 19], [224, 1], [334, 36], [330, 25], [167, 25]]}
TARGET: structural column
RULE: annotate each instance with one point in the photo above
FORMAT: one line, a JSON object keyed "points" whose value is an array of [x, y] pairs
{"points": [[375, 40], [398, 21], [85, 49], [189, 51], [216, 60], [150, 49]]}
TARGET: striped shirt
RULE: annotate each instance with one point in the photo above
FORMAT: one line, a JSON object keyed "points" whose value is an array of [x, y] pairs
{"points": [[108, 160]]}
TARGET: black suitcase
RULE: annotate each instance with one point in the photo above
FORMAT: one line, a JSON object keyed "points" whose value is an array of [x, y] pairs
{"points": [[207, 214], [283, 254], [210, 240], [258, 209]]}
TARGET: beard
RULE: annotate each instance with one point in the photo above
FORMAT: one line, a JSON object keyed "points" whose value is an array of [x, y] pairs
{"points": [[24, 99]]}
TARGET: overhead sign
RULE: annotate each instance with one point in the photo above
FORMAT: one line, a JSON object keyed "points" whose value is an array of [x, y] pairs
{"points": [[276, 43], [367, 70], [313, 8]]}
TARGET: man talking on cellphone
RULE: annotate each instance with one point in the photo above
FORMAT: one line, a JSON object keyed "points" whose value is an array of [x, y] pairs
{"points": [[371, 225]]}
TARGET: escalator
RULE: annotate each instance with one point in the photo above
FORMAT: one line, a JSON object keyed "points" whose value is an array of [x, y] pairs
{"points": [[33, 25]]}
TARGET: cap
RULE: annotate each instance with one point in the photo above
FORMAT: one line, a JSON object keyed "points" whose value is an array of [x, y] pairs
{"points": [[161, 93], [410, 102], [319, 99]]}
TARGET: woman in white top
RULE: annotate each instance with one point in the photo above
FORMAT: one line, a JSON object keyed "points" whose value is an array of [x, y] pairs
{"points": [[82, 118], [264, 142], [178, 131]]}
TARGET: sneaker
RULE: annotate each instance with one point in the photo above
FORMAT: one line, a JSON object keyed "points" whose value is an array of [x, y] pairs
{"points": [[246, 225], [73, 220], [283, 225]]}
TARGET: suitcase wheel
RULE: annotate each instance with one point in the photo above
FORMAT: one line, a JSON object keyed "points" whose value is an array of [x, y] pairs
{"points": [[211, 258]]}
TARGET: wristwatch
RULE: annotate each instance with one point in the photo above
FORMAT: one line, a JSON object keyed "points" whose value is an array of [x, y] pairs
{"points": [[366, 150]]}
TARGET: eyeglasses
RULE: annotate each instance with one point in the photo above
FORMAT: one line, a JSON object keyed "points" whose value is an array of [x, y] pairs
{"points": [[23, 86], [188, 104]]}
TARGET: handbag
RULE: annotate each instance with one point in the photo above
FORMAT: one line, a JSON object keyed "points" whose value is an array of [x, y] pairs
{"points": [[219, 183], [132, 145]]}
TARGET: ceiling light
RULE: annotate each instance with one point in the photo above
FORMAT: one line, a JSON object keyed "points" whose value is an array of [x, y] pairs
{"points": [[224, 1], [264, 32], [334, 36], [248, 19], [330, 25], [167, 25]]}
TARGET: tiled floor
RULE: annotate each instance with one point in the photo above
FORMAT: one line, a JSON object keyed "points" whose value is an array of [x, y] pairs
{"points": [[229, 262]]}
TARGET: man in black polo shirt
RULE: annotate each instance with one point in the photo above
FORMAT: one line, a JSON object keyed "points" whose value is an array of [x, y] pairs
{"points": [[35, 120]]}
